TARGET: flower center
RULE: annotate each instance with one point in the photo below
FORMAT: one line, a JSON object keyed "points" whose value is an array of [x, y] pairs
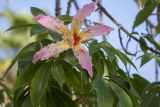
{"points": [[76, 39]]}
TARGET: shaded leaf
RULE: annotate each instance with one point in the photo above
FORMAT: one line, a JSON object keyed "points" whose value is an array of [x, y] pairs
{"points": [[58, 73], [37, 29], [104, 93], [65, 18], [39, 84]]}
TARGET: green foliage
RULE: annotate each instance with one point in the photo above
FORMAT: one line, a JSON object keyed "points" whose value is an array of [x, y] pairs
{"points": [[144, 13], [35, 11], [61, 82]]}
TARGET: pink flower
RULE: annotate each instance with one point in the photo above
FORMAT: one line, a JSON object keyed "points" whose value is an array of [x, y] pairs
{"points": [[72, 37]]}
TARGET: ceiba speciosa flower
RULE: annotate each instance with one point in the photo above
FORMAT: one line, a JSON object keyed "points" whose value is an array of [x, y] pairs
{"points": [[72, 38]]}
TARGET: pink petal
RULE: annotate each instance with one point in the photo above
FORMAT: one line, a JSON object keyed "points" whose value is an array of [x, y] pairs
{"points": [[95, 30], [50, 51], [78, 19], [84, 60], [52, 23]]}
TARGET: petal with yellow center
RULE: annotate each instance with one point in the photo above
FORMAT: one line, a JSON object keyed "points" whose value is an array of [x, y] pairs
{"points": [[78, 19], [95, 31], [50, 51], [52, 23]]}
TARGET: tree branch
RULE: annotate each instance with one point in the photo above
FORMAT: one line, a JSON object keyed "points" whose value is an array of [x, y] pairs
{"points": [[68, 6], [121, 42], [57, 9], [124, 29]]}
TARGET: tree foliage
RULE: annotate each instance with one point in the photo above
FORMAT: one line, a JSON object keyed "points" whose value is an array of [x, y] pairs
{"points": [[61, 82]]}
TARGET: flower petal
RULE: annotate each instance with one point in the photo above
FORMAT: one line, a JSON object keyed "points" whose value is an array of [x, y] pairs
{"points": [[84, 60], [94, 31], [52, 23], [50, 51], [78, 19]]}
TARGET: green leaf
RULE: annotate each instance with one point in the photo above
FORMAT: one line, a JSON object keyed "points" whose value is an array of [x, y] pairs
{"points": [[144, 49], [35, 11], [22, 54], [139, 83], [27, 102], [111, 51], [146, 58], [55, 36], [144, 13], [151, 40], [94, 46], [98, 63], [39, 84], [20, 95], [157, 30], [124, 58], [151, 95], [124, 99], [73, 77], [19, 26], [143, 3], [58, 98], [37, 29], [104, 93], [58, 73], [65, 18]]}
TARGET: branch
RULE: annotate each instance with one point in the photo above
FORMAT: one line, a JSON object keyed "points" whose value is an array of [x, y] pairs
{"points": [[121, 42], [68, 6], [57, 9], [76, 5], [124, 29]]}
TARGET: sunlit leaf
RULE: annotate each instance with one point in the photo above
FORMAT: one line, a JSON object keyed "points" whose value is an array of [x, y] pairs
{"points": [[146, 58], [35, 11], [19, 26], [144, 13]]}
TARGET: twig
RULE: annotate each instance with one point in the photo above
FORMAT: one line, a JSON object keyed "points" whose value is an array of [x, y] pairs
{"points": [[76, 5], [124, 29], [57, 9], [68, 6], [120, 38]]}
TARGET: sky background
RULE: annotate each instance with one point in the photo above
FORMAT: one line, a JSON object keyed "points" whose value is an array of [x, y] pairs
{"points": [[123, 10]]}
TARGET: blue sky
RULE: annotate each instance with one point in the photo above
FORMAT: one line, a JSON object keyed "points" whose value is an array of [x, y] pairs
{"points": [[123, 10]]}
